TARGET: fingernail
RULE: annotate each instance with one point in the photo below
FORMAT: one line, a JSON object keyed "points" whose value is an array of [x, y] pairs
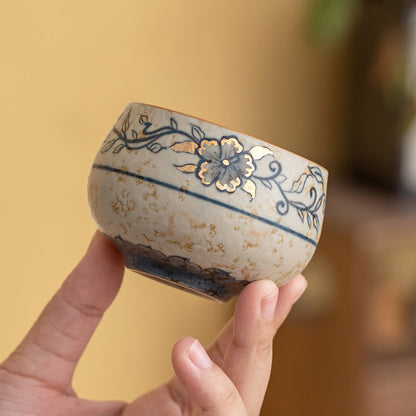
{"points": [[268, 305], [199, 356], [301, 291]]}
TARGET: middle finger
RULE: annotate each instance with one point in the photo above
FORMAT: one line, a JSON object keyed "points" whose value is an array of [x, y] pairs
{"points": [[260, 310]]}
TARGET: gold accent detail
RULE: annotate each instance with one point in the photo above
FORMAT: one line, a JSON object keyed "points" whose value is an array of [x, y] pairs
{"points": [[122, 206], [259, 151], [174, 243], [148, 239], [226, 162], [233, 142], [231, 187], [153, 207], [250, 188], [149, 194], [220, 247], [250, 168], [202, 172], [212, 230], [248, 244], [187, 168], [205, 144], [187, 147], [195, 225], [189, 246], [158, 233]]}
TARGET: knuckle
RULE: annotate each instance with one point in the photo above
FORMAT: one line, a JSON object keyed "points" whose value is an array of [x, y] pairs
{"points": [[85, 309], [178, 397], [261, 350], [229, 398], [239, 344], [264, 350], [225, 399], [217, 354]]}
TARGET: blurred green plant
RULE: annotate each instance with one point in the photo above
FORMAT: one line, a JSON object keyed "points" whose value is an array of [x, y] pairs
{"points": [[331, 19]]}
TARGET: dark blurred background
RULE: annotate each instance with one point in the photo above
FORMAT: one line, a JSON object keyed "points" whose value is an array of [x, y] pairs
{"points": [[350, 346]]}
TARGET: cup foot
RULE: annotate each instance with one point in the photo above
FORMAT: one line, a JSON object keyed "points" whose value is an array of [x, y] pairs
{"points": [[179, 272]]}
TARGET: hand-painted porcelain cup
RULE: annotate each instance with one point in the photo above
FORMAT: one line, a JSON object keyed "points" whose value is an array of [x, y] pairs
{"points": [[204, 208]]}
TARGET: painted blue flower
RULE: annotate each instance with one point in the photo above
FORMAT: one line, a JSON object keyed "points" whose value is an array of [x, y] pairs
{"points": [[224, 163]]}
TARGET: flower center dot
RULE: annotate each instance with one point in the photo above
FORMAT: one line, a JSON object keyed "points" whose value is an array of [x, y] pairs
{"points": [[226, 162]]}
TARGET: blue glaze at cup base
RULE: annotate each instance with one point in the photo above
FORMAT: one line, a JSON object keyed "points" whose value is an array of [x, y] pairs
{"points": [[179, 272]]}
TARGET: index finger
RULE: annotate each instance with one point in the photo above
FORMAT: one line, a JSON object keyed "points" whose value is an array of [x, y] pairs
{"points": [[50, 351]]}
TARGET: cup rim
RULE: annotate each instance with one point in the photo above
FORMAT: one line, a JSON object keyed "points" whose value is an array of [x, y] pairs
{"points": [[227, 128]]}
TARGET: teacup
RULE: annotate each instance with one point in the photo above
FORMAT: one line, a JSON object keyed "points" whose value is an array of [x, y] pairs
{"points": [[204, 208]]}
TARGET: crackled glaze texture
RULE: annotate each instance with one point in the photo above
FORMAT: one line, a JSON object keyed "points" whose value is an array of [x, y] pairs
{"points": [[202, 207]]}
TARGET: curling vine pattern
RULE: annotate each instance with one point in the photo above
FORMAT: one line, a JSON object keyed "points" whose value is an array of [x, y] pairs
{"points": [[225, 164]]}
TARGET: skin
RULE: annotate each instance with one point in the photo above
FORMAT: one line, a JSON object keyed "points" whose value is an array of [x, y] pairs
{"points": [[230, 379]]}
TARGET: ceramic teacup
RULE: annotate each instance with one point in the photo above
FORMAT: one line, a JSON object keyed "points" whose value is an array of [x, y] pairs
{"points": [[202, 207]]}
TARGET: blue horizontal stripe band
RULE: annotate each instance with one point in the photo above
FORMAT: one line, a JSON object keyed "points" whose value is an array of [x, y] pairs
{"points": [[205, 198]]}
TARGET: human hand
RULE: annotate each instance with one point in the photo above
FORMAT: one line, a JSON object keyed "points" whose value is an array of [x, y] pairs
{"points": [[229, 380]]}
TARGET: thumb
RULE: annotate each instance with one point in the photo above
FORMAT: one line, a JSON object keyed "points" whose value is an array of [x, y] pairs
{"points": [[208, 386]]}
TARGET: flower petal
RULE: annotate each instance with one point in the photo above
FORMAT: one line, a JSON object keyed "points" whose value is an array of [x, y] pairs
{"points": [[209, 150], [244, 165], [250, 165], [228, 180], [230, 146], [209, 171]]}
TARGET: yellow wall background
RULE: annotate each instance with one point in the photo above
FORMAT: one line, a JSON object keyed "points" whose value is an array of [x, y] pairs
{"points": [[67, 69]]}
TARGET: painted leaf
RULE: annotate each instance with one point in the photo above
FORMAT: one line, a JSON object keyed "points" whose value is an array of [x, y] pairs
{"points": [[126, 123], [316, 172], [108, 145], [299, 185], [298, 205], [173, 123], [187, 168], [118, 148], [316, 222], [250, 188], [309, 218], [197, 132], [187, 147], [301, 214], [266, 183], [134, 134], [280, 179], [259, 151], [155, 147], [319, 203]]}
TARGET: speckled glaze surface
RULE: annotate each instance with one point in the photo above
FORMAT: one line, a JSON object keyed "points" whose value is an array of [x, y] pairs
{"points": [[202, 207]]}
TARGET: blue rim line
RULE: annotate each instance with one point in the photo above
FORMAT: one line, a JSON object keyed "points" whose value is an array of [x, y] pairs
{"points": [[204, 198]]}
